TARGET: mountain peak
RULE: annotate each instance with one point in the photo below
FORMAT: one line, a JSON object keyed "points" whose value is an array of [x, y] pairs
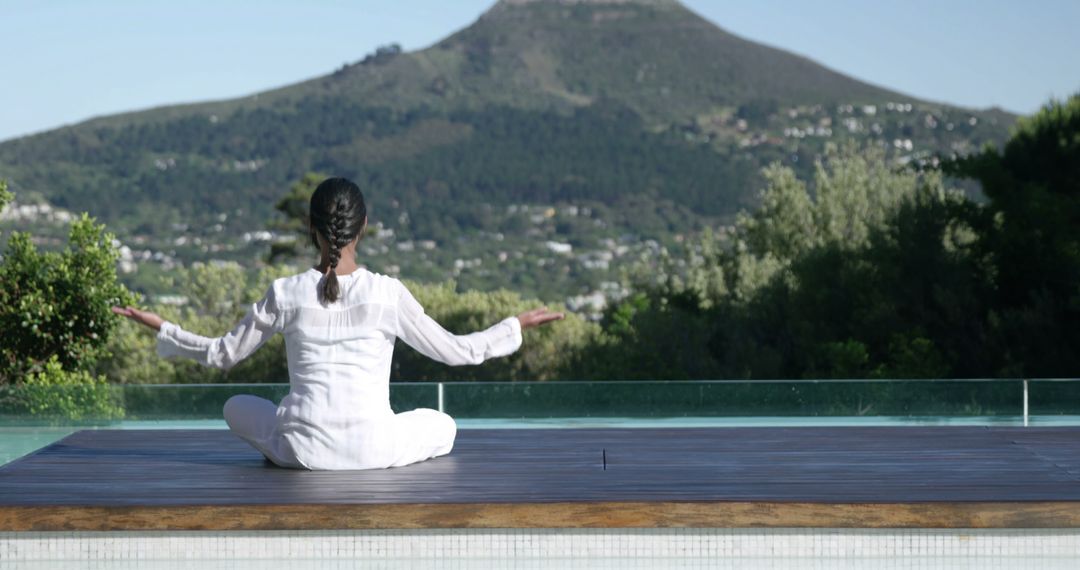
{"points": [[590, 2], [529, 8]]}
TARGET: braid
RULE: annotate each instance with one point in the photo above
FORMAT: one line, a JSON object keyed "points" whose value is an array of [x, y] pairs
{"points": [[338, 213], [334, 230], [333, 249], [336, 237]]}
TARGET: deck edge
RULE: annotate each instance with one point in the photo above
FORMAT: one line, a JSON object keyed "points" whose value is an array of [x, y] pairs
{"points": [[697, 514]]}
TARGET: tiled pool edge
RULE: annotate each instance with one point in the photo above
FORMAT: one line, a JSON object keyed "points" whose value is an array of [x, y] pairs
{"points": [[693, 543]]}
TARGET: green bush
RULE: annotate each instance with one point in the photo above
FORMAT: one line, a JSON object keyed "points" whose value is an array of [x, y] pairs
{"points": [[55, 321], [72, 395], [57, 304]]}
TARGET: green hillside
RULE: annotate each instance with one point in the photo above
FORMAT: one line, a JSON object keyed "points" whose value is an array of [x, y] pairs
{"points": [[652, 118]]}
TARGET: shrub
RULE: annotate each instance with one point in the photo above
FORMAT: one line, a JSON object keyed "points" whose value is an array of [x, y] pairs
{"points": [[55, 321], [57, 304], [57, 393]]}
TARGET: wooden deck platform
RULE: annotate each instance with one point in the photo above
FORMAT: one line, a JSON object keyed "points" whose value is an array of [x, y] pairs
{"points": [[862, 477]]}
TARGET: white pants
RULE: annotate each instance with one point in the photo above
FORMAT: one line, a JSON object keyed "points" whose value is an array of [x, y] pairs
{"points": [[417, 435]]}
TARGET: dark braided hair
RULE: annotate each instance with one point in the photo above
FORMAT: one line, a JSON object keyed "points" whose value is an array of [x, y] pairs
{"points": [[337, 212]]}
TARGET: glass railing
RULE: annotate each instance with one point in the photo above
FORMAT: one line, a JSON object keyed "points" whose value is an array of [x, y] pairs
{"points": [[1004, 399], [33, 417]]}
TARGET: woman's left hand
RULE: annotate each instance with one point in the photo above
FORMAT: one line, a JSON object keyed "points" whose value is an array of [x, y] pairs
{"points": [[147, 318], [537, 317]]}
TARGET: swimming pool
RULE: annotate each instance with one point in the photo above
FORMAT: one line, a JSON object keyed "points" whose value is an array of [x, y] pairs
{"points": [[555, 548], [559, 405]]}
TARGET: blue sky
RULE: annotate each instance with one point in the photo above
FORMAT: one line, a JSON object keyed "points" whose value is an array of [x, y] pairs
{"points": [[63, 61]]}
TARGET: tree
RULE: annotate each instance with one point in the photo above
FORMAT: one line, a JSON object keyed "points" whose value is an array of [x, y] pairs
{"points": [[1031, 232], [55, 321], [853, 191], [293, 222], [864, 271], [5, 196], [57, 304]]}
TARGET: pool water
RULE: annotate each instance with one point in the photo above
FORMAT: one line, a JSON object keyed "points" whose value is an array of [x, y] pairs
{"points": [[18, 440]]}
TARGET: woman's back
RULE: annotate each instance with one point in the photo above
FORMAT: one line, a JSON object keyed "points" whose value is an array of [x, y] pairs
{"points": [[339, 355]]}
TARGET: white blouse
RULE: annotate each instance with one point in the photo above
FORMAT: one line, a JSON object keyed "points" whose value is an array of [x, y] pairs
{"points": [[338, 356]]}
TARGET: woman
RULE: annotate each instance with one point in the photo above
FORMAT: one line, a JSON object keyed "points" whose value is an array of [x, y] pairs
{"points": [[339, 322]]}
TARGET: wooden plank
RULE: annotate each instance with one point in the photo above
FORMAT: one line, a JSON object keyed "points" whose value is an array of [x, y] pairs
{"points": [[834, 476], [543, 515]]}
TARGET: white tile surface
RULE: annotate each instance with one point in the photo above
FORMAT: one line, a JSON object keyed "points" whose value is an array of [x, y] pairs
{"points": [[622, 549]]}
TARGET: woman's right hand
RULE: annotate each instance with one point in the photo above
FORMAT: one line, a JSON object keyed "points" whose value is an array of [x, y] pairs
{"points": [[537, 317], [147, 318]]}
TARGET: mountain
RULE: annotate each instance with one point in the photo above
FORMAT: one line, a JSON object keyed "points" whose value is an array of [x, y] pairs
{"points": [[658, 58], [650, 116]]}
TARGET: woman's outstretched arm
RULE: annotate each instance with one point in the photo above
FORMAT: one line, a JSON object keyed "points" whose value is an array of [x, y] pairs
{"points": [[224, 352], [427, 336]]}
